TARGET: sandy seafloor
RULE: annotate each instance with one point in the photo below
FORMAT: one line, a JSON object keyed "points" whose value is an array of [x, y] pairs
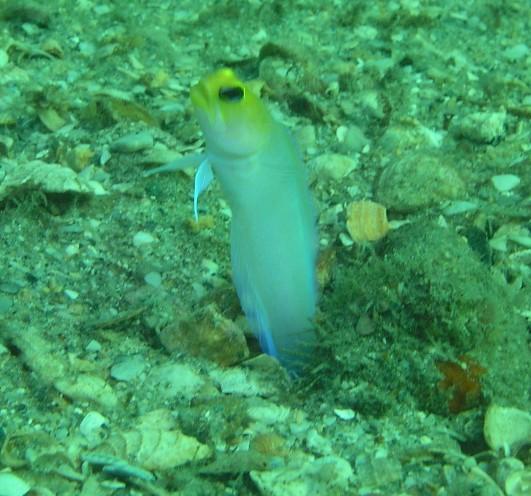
{"points": [[124, 366]]}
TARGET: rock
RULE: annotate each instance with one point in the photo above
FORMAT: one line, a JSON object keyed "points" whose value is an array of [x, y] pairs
{"points": [[418, 180], [321, 477], [47, 177], [128, 368], [158, 449], [134, 142], [480, 127], [207, 334], [87, 387], [175, 380], [142, 238], [505, 182]]}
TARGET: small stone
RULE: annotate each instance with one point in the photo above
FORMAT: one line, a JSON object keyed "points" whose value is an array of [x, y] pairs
{"points": [[345, 413], [4, 58], [93, 346], [142, 238], [326, 475], [71, 294], [458, 207], [6, 303], [480, 127], [207, 334], [72, 250], [128, 368], [79, 157], [353, 140], [134, 142], [153, 279], [505, 182], [87, 387], [333, 166], [516, 52]]}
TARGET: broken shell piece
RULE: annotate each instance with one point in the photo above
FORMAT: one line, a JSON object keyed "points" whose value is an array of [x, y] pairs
{"points": [[157, 449], [506, 428], [518, 483], [51, 119], [93, 428], [367, 221], [269, 443]]}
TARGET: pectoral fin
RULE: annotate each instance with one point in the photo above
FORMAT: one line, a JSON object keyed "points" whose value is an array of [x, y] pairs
{"points": [[181, 163], [203, 177]]}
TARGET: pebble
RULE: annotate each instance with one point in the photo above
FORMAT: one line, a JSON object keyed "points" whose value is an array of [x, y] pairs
{"points": [[142, 238], [134, 142], [6, 303], [93, 346], [460, 207], [71, 294], [128, 368], [87, 387], [206, 334], [345, 413], [505, 182], [153, 279], [352, 139], [4, 58], [516, 52]]}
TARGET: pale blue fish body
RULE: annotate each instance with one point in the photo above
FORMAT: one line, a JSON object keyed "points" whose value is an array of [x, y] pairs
{"points": [[273, 244], [273, 231]]}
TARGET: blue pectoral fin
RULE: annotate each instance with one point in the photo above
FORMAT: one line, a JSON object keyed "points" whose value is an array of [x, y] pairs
{"points": [[203, 177], [181, 163]]}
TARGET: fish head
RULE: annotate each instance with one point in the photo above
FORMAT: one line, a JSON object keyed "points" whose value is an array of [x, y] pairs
{"points": [[234, 121]]}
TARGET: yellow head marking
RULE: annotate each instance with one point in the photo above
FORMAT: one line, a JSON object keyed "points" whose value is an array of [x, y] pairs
{"points": [[229, 112]]}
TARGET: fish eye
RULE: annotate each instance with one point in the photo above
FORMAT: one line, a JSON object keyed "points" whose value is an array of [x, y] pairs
{"points": [[231, 93]]}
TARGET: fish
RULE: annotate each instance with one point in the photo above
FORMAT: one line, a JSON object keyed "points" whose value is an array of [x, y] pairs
{"points": [[273, 228]]}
